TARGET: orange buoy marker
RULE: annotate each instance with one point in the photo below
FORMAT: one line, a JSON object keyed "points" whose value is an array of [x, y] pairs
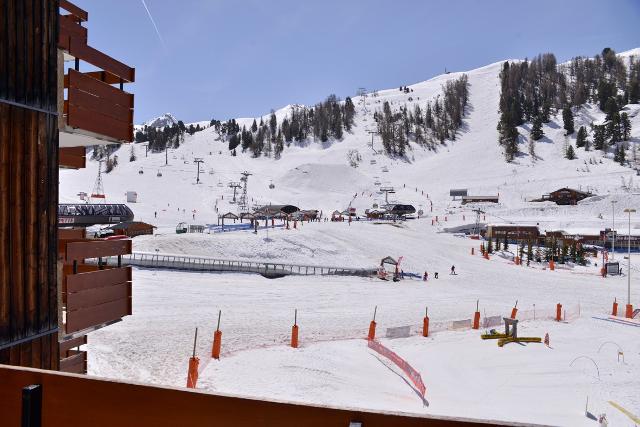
{"points": [[476, 316], [217, 340], [372, 326], [614, 311], [629, 311], [514, 310], [552, 265], [294, 330], [425, 323], [558, 312], [192, 375]]}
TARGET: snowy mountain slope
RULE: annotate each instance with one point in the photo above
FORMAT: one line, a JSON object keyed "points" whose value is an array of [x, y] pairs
{"points": [[166, 119], [316, 175]]}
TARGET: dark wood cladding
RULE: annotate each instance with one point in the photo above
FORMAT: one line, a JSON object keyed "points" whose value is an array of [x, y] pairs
{"points": [[28, 183], [73, 157], [69, 398]]}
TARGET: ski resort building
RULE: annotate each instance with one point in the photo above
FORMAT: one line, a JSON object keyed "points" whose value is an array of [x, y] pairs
{"points": [[564, 196], [132, 228], [275, 211], [479, 199], [512, 232]]}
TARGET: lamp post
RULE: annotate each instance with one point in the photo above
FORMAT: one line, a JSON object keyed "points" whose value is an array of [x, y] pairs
{"points": [[613, 228], [629, 308]]}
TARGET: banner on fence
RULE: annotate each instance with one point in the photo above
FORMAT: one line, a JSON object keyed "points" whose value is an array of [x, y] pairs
{"points": [[399, 332], [409, 371]]}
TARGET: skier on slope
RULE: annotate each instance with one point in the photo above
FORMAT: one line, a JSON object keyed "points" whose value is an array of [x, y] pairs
{"points": [[453, 269], [425, 277]]}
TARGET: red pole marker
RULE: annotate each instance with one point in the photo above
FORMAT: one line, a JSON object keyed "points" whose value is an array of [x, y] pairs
{"points": [[476, 316], [425, 323], [295, 330], [614, 311], [192, 375], [514, 310], [629, 311], [558, 312], [372, 326], [217, 339]]}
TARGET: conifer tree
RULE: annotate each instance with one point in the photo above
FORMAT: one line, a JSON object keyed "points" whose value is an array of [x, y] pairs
{"points": [[625, 123], [567, 118], [599, 137], [570, 153], [581, 137], [620, 154], [536, 129]]}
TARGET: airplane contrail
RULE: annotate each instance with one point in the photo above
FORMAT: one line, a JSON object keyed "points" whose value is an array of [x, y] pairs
{"points": [[154, 24]]}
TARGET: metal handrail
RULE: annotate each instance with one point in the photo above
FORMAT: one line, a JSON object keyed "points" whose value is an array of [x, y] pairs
{"points": [[148, 259]]}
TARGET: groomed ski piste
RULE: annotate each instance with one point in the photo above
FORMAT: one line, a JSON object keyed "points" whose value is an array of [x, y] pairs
{"points": [[463, 375]]}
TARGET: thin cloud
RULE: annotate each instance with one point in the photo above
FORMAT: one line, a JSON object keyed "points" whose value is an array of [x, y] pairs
{"points": [[154, 24]]}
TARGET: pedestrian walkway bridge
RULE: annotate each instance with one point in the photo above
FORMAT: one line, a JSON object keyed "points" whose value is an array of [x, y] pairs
{"points": [[267, 269]]}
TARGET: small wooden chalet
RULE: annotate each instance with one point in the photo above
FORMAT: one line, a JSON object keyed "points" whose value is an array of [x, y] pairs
{"points": [[132, 228], [564, 196]]}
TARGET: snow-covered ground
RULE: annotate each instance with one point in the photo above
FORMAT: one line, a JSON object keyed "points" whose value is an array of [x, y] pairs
{"points": [[531, 383], [463, 375]]}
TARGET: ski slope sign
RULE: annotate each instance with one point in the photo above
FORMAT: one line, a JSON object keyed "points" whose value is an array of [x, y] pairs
{"points": [[409, 370]]}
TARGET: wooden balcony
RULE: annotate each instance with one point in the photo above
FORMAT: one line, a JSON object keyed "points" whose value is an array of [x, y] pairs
{"points": [[68, 399], [93, 295], [95, 112], [72, 157]]}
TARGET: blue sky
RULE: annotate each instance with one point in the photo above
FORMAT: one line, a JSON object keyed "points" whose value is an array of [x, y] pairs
{"points": [[240, 58]]}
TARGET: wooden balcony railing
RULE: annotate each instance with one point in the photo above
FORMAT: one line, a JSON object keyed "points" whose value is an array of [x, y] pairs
{"points": [[72, 157], [92, 104], [98, 107], [97, 297], [93, 295], [66, 399]]}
